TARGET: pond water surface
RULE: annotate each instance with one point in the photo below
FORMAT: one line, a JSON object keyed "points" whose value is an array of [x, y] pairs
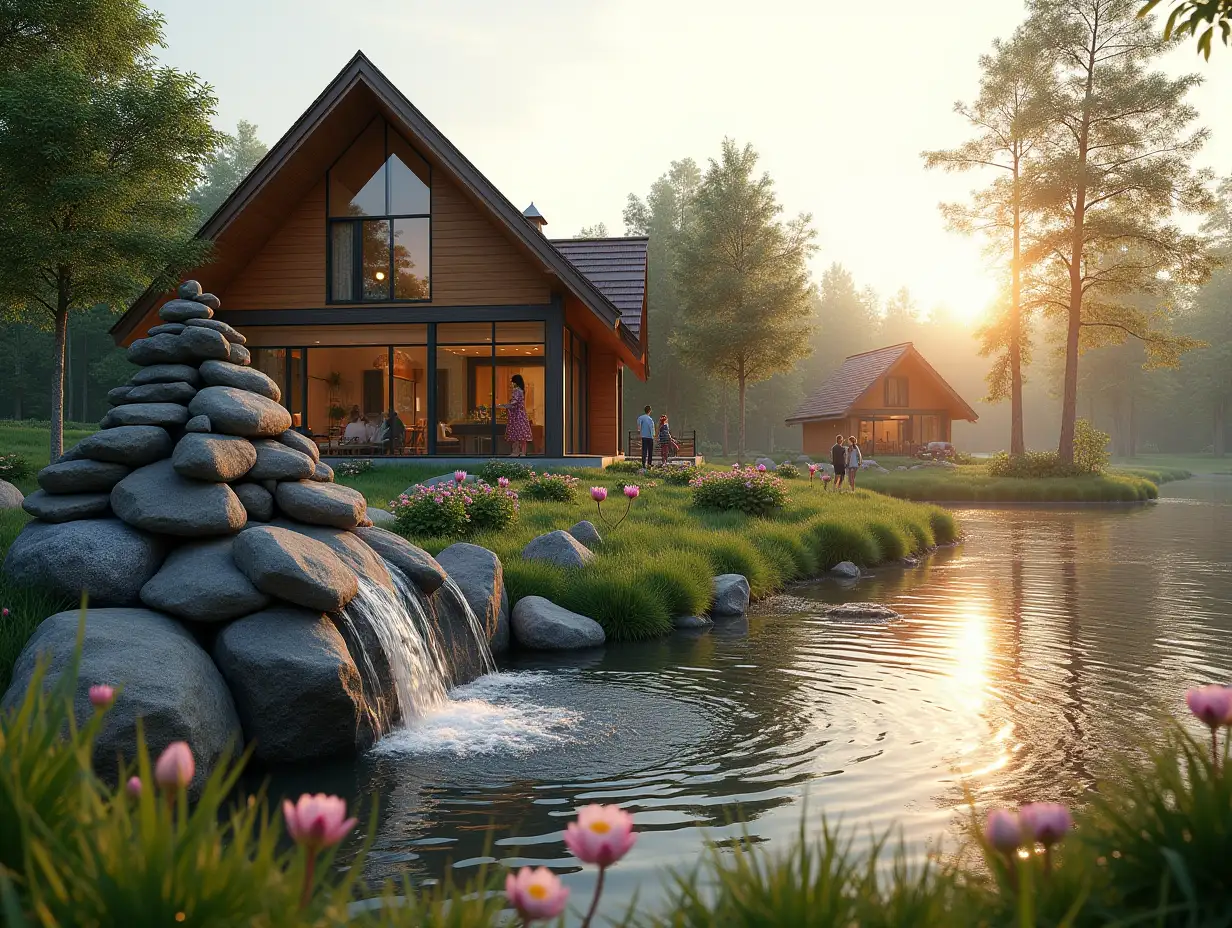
{"points": [[1030, 658]]}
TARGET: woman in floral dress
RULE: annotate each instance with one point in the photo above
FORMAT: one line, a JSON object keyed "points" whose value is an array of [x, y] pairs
{"points": [[517, 428]]}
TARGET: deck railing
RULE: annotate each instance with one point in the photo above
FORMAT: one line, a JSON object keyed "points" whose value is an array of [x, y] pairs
{"points": [[686, 440]]}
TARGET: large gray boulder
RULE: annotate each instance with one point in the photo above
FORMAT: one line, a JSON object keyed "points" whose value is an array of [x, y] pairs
{"points": [[111, 561], [157, 349], [134, 445], [183, 310], [295, 568], [768, 463], [480, 576], [299, 694], [166, 681], [420, 567], [321, 503], [301, 443], [731, 595], [204, 345], [586, 533], [166, 373], [158, 499], [349, 547], [81, 476], [276, 461], [213, 458], [199, 581], [382, 518], [559, 548], [219, 326], [258, 501], [237, 412], [166, 415], [10, 496], [176, 392], [541, 624], [226, 374], [65, 507], [846, 569]]}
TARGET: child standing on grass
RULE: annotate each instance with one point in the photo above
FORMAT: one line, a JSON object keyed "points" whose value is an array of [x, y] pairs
{"points": [[665, 439]]}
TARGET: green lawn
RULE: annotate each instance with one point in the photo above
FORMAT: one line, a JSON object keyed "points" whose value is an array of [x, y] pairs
{"points": [[1194, 463]]}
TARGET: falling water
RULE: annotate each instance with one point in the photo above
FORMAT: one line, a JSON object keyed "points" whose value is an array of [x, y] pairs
{"points": [[487, 663]]}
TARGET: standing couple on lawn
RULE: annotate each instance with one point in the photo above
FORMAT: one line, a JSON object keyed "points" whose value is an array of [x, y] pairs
{"points": [[646, 428], [846, 459]]}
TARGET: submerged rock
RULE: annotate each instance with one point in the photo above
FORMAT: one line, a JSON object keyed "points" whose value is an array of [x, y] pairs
{"points": [[691, 622], [559, 548], [166, 681], [731, 595], [200, 581], [541, 624], [862, 612]]}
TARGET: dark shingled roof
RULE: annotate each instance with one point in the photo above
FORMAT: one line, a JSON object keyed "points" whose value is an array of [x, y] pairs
{"points": [[617, 268], [839, 392]]}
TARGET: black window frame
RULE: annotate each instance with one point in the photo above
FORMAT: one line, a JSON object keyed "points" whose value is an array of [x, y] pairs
{"points": [[357, 231]]}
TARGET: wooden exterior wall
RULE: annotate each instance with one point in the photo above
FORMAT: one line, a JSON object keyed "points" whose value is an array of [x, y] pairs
{"points": [[923, 392], [473, 263], [604, 403]]}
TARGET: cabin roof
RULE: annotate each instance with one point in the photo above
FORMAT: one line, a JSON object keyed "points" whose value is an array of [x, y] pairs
{"points": [[270, 177], [839, 392], [617, 266]]}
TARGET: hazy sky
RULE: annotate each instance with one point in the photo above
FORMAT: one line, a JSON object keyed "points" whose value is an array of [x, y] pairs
{"points": [[576, 104]]}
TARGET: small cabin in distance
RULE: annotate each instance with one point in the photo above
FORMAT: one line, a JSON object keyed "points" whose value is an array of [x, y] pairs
{"points": [[890, 398]]}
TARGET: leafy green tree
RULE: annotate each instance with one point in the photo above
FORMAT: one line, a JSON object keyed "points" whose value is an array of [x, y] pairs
{"points": [[743, 279], [1009, 127], [96, 164], [229, 164], [1115, 171], [598, 230], [1189, 16], [846, 323]]}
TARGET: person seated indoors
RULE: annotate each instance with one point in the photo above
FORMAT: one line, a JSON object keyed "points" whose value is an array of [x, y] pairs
{"points": [[356, 430], [395, 432]]}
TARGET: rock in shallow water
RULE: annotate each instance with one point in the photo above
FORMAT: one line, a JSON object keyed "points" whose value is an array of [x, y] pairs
{"points": [[691, 622], [167, 681], [295, 568], [321, 503], [134, 445], [731, 595], [296, 687], [541, 624], [107, 558], [480, 576], [65, 507], [81, 476], [158, 499], [846, 569], [237, 412], [213, 458], [200, 581]]}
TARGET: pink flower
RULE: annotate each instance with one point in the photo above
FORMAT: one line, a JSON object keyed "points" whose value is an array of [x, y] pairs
{"points": [[101, 696], [812, 469], [459, 476], [761, 468], [175, 766], [317, 821], [601, 835], [1212, 704], [536, 894], [598, 494], [632, 491], [1002, 830], [133, 787], [1046, 822], [4, 613], [502, 481]]}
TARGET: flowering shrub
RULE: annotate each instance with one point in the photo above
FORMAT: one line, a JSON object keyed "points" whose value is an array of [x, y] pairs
{"points": [[555, 488], [679, 473], [494, 469], [749, 490], [449, 509], [787, 470], [1029, 465], [13, 467], [353, 468]]}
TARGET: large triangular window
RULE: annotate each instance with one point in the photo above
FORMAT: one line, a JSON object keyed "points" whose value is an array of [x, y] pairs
{"points": [[380, 220]]}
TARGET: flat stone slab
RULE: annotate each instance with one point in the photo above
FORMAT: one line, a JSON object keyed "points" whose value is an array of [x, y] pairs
{"points": [[166, 328], [559, 548], [277, 461], [175, 392], [165, 415], [157, 349], [349, 547], [204, 345], [237, 412], [219, 326], [65, 507], [200, 581], [541, 624], [134, 445], [183, 310], [862, 612], [258, 501], [295, 568], [301, 443], [225, 374], [81, 476], [731, 595], [420, 567], [166, 373], [110, 560], [321, 503], [158, 499]]}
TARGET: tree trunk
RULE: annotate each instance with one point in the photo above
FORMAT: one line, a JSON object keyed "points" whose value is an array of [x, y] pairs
{"points": [[1018, 444], [726, 438], [741, 386], [19, 383], [1131, 439], [1069, 398], [57, 383]]}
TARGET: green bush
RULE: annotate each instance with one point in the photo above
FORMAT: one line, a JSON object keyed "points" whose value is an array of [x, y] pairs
{"points": [[492, 508], [943, 524], [491, 471], [624, 467], [533, 578], [832, 541], [893, 542], [680, 579], [787, 470], [678, 474], [1030, 465], [1090, 448], [747, 490], [14, 467], [559, 488]]}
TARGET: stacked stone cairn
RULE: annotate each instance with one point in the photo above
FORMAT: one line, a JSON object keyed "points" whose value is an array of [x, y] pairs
{"points": [[217, 554]]}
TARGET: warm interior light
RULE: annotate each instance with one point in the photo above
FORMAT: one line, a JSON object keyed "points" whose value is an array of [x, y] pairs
{"points": [[380, 275]]}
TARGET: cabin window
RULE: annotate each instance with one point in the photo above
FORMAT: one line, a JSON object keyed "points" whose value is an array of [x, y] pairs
{"points": [[379, 205], [896, 391]]}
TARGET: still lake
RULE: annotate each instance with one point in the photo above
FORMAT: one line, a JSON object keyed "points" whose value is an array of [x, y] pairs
{"points": [[1031, 658]]}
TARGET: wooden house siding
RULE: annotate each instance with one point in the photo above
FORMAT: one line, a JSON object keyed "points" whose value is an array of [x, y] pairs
{"points": [[604, 403], [923, 391], [288, 271]]}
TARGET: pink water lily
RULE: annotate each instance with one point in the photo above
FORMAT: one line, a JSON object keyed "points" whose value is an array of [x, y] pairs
{"points": [[133, 787], [598, 494], [1046, 822], [536, 893], [459, 476], [175, 767], [1002, 831], [101, 696], [632, 491], [318, 821], [601, 835]]}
